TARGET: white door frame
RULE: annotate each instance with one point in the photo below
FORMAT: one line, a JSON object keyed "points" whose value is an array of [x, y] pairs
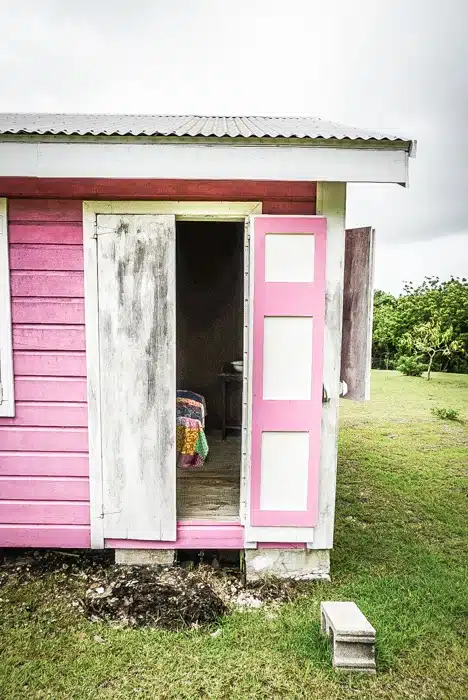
{"points": [[186, 211]]}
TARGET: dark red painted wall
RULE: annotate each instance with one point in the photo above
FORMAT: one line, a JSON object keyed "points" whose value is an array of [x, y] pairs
{"points": [[277, 197]]}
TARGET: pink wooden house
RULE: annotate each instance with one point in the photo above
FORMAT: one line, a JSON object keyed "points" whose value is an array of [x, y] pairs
{"points": [[139, 257]]}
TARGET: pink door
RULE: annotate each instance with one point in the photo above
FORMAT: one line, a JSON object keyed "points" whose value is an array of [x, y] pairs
{"points": [[288, 327]]}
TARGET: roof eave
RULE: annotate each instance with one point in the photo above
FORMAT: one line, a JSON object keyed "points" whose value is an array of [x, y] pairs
{"points": [[408, 146]]}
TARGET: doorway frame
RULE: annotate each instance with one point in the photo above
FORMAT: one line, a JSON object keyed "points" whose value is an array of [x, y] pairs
{"points": [[229, 211]]}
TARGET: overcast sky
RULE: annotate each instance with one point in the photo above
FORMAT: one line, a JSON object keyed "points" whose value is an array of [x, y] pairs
{"points": [[399, 66]]}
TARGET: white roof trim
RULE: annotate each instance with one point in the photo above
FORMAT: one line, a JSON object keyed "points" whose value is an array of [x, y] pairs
{"points": [[202, 161]]}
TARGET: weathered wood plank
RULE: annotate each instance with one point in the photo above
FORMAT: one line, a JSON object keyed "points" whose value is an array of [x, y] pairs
{"points": [[59, 536], [69, 233], [49, 363], [149, 188], [136, 283], [45, 310], [61, 389], [45, 210], [31, 337], [356, 347], [27, 439], [43, 464], [32, 488], [49, 414], [47, 284], [288, 206], [25, 256], [44, 513], [192, 535]]}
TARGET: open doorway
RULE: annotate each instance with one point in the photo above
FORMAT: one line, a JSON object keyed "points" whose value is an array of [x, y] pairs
{"points": [[209, 332]]}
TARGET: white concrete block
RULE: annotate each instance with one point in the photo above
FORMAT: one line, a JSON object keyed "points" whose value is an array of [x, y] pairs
{"points": [[145, 557], [287, 563], [352, 635]]}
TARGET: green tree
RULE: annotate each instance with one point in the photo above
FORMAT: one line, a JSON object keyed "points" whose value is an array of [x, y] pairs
{"points": [[428, 340], [385, 330], [442, 305]]}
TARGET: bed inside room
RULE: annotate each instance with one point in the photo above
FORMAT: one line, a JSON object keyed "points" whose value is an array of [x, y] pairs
{"points": [[209, 329]]}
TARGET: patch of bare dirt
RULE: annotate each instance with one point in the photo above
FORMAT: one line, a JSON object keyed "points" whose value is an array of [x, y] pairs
{"points": [[139, 596], [171, 598], [32, 564]]}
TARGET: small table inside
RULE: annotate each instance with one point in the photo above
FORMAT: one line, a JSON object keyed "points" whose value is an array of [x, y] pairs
{"points": [[226, 379]]}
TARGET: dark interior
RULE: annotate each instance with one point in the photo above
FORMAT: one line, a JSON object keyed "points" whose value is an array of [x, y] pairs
{"points": [[209, 285]]}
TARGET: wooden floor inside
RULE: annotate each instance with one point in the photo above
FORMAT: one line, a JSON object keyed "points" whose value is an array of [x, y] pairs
{"points": [[212, 492]]}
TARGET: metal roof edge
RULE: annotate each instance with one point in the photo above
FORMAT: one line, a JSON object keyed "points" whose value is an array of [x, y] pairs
{"points": [[235, 141], [294, 129]]}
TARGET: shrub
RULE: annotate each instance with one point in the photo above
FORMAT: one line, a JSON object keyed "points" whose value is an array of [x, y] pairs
{"points": [[446, 413], [410, 366]]}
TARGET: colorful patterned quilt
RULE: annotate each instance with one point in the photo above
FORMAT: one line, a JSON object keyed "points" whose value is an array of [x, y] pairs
{"points": [[192, 445]]}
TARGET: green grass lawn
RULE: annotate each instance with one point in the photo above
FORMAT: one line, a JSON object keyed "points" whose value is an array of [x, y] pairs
{"points": [[401, 554]]}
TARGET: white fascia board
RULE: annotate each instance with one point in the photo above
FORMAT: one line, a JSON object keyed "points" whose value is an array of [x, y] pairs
{"points": [[202, 161]]}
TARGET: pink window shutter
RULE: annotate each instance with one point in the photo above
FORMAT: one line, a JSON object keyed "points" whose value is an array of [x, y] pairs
{"points": [[288, 330]]}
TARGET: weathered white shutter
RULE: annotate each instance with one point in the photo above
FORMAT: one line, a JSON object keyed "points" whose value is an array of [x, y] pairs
{"points": [[136, 292], [356, 346]]}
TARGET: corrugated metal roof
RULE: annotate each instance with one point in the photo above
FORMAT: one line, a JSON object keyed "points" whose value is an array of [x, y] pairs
{"points": [[188, 126]]}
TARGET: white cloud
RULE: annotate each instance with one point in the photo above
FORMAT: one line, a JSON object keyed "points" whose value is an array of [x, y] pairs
{"points": [[411, 262], [390, 65]]}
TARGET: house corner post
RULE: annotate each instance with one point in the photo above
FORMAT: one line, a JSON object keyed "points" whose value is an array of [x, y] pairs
{"points": [[331, 203]]}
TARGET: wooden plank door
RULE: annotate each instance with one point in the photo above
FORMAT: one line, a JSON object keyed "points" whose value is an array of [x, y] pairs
{"points": [[358, 298], [288, 267], [136, 299]]}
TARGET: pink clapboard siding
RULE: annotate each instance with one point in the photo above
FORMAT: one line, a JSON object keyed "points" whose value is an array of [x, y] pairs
{"points": [[49, 364], [43, 257], [66, 232], [51, 488], [44, 463], [201, 534], [191, 535], [43, 451], [32, 439], [48, 414], [46, 283], [43, 512], [50, 388], [35, 337], [44, 485], [57, 536], [60, 311]]}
